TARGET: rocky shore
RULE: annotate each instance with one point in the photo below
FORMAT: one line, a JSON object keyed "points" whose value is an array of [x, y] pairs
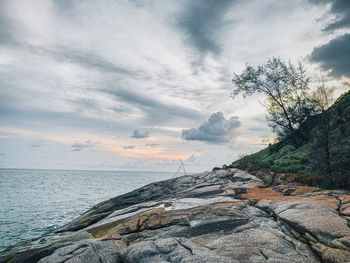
{"points": [[226, 215]]}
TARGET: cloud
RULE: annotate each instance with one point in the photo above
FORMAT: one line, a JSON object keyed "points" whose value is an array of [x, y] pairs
{"points": [[77, 147], [341, 10], [92, 61], [151, 144], [139, 134], [128, 147], [191, 159], [155, 110], [201, 21], [216, 130], [36, 145], [28, 117], [160, 77], [334, 56]]}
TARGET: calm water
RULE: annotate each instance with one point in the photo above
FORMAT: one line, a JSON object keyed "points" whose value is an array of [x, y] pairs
{"points": [[33, 202]]}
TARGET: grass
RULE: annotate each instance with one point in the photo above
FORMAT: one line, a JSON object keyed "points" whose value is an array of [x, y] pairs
{"points": [[301, 164]]}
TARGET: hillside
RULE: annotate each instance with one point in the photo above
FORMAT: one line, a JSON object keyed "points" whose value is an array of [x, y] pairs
{"points": [[305, 164]]}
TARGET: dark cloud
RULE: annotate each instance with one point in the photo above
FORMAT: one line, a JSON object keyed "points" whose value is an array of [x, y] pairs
{"points": [[156, 111], [129, 147], [87, 60], [7, 27], [36, 145], [64, 5], [341, 10], [341, 23], [152, 144], [16, 117], [334, 56], [216, 130], [2, 154], [81, 104], [200, 21], [77, 147], [81, 145], [139, 134], [5, 36]]}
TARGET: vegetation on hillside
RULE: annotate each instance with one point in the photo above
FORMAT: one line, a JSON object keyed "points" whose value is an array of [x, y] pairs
{"points": [[306, 163], [289, 102], [314, 137]]}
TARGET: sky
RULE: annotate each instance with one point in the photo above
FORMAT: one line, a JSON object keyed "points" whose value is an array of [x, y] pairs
{"points": [[139, 85]]}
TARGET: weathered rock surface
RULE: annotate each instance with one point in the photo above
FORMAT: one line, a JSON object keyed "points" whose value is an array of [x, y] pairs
{"points": [[220, 216]]}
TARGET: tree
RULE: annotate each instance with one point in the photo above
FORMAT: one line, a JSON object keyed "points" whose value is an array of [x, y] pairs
{"points": [[287, 89], [323, 99]]}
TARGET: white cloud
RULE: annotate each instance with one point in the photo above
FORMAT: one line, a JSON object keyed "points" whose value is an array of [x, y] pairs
{"points": [[103, 68], [216, 130]]}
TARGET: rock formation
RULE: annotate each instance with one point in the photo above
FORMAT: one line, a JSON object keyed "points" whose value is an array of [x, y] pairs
{"points": [[226, 215]]}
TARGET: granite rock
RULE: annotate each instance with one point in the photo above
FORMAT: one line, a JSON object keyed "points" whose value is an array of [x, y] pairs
{"points": [[226, 215]]}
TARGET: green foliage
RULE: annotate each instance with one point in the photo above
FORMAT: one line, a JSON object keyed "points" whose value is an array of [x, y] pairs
{"points": [[301, 163], [269, 181], [289, 102]]}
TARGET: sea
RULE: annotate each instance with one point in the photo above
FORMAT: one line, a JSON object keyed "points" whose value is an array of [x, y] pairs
{"points": [[33, 202]]}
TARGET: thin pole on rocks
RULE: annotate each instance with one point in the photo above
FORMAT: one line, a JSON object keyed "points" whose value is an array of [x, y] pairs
{"points": [[183, 166], [180, 166]]}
